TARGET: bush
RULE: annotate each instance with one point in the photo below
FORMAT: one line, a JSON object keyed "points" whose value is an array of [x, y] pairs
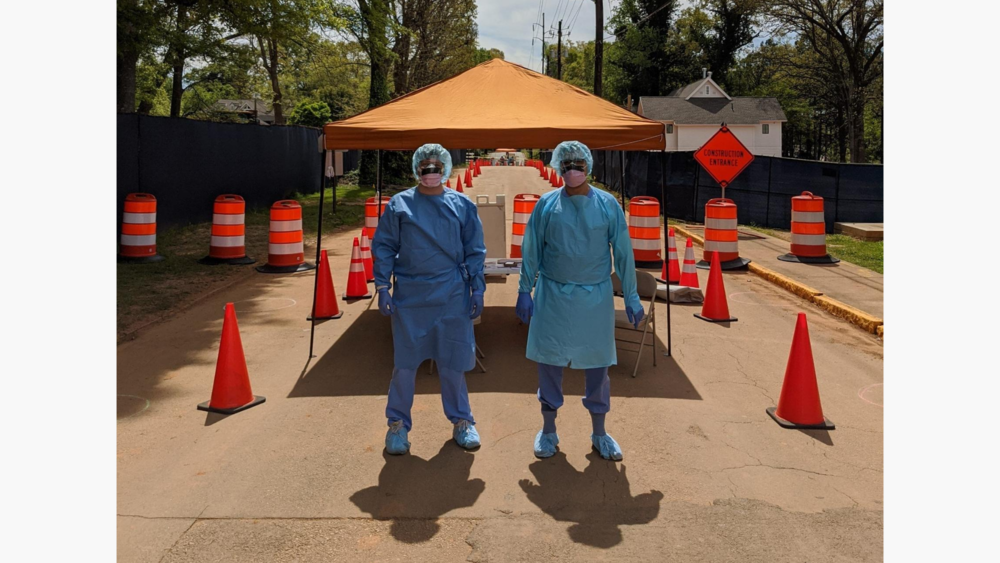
{"points": [[312, 114]]}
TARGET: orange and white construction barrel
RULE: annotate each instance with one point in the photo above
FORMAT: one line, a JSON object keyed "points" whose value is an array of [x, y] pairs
{"points": [[721, 235], [228, 242], [285, 253], [524, 204], [644, 231], [138, 237], [808, 231], [372, 215]]}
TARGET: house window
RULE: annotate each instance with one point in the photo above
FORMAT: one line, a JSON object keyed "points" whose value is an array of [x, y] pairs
{"points": [[670, 129], [766, 128], [708, 90]]}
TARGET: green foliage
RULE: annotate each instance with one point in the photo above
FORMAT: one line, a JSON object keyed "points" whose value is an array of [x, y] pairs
{"points": [[483, 55], [312, 114]]}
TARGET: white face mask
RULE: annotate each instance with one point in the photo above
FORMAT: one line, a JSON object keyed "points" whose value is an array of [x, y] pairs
{"points": [[431, 180], [574, 178]]}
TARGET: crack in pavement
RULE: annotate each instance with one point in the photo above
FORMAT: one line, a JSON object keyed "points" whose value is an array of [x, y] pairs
{"points": [[509, 435], [742, 371], [182, 534], [775, 467]]}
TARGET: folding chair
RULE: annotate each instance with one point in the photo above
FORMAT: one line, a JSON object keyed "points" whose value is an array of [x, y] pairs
{"points": [[646, 288]]}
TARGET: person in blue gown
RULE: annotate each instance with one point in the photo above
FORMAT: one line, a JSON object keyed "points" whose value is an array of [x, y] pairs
{"points": [[428, 251], [568, 244]]}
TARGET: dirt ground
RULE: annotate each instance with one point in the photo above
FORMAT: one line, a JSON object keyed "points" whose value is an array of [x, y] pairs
{"points": [[706, 476]]}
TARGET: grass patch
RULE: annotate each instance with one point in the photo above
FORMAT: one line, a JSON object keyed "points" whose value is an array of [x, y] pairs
{"points": [[867, 254], [147, 292]]}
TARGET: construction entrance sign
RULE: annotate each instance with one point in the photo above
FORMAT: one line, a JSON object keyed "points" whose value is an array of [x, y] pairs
{"points": [[724, 156]]}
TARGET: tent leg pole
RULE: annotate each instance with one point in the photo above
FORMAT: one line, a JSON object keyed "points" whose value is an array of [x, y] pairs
{"points": [[319, 246], [666, 230], [378, 180], [623, 178]]}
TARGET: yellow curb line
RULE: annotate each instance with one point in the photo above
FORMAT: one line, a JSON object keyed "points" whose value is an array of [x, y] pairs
{"points": [[857, 317]]}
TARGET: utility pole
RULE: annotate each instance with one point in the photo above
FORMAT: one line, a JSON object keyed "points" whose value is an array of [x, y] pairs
{"points": [[559, 54], [599, 49], [544, 54]]}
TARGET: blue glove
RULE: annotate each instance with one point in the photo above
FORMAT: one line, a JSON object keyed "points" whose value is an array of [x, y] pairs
{"points": [[385, 302], [477, 304], [635, 317], [525, 307]]}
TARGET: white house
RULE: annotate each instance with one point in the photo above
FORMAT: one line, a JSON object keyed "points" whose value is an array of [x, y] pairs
{"points": [[693, 114]]}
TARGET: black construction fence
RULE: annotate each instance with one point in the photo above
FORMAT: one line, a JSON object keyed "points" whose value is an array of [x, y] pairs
{"points": [[186, 164], [852, 193]]}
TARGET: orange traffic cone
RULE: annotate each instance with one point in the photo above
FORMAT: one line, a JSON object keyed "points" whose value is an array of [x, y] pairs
{"points": [[458, 187], [468, 177], [325, 306], [357, 287], [716, 307], [798, 405], [231, 391], [689, 272], [366, 257], [447, 183], [545, 174], [671, 269]]}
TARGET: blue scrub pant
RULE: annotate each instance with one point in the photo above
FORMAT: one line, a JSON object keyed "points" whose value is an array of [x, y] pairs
{"points": [[454, 396], [597, 394]]}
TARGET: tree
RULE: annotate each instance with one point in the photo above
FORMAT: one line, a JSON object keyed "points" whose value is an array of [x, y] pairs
{"points": [[432, 40], [637, 57], [277, 29], [369, 22], [846, 39], [139, 33], [734, 27]]}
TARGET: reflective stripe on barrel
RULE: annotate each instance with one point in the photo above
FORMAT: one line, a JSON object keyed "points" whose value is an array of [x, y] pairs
{"points": [[720, 230], [138, 237], [524, 204], [228, 228], [808, 226], [284, 237], [372, 215], [644, 228]]}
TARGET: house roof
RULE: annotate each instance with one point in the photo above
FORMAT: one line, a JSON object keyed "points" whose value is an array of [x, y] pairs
{"points": [[711, 111], [687, 91]]}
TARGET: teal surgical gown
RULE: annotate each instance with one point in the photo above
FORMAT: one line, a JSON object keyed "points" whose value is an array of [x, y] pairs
{"points": [[433, 245], [568, 243]]}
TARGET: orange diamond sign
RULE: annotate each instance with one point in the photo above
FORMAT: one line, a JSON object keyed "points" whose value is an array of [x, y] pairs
{"points": [[723, 156]]}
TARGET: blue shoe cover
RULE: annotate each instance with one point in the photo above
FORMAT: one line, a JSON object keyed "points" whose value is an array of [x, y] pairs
{"points": [[395, 439], [545, 444], [607, 447], [465, 434]]}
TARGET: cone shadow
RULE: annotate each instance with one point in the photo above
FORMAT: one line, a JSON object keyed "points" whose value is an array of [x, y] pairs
{"points": [[818, 435], [413, 493], [597, 500]]}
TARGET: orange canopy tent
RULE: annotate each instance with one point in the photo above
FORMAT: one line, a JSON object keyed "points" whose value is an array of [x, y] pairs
{"points": [[496, 103]]}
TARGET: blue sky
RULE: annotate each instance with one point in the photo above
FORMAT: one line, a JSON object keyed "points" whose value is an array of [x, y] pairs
{"points": [[507, 25]]}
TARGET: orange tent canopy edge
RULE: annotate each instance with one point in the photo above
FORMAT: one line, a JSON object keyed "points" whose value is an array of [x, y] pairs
{"points": [[496, 103]]}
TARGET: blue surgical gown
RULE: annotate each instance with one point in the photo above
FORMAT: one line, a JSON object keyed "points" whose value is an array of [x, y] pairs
{"points": [[433, 245], [568, 243]]}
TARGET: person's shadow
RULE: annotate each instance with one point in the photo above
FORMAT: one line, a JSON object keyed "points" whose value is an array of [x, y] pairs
{"points": [[598, 499], [414, 493]]}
